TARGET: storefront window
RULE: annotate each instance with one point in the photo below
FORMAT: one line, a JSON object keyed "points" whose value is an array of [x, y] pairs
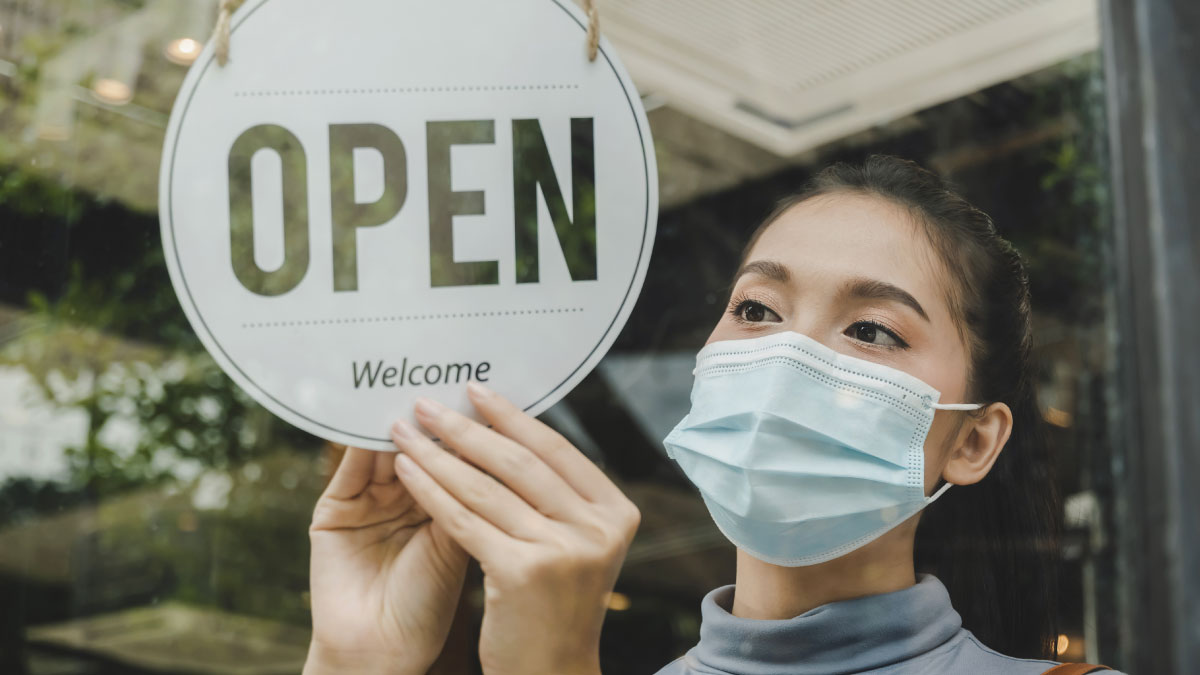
{"points": [[153, 517]]}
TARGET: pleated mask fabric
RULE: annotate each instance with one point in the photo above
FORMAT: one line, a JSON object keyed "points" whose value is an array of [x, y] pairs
{"points": [[803, 454]]}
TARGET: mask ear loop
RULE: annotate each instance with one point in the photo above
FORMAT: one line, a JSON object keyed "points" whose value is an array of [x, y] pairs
{"points": [[941, 491], [949, 406], [928, 400], [956, 406]]}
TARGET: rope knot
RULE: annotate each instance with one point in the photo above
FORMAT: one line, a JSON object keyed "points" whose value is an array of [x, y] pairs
{"points": [[220, 36], [593, 30]]}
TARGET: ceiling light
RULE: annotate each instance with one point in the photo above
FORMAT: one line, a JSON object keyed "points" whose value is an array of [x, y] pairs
{"points": [[114, 92], [1063, 643], [118, 60], [1059, 418], [183, 51], [618, 601]]}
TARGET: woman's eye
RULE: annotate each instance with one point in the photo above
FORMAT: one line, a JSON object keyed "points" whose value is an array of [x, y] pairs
{"points": [[872, 333], [755, 312]]}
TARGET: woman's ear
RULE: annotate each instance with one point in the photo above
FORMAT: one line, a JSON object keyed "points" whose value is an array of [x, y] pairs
{"points": [[981, 440]]}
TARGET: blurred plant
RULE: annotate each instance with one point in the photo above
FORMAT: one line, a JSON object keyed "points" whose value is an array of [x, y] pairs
{"points": [[224, 524], [111, 340], [147, 423], [1066, 256]]}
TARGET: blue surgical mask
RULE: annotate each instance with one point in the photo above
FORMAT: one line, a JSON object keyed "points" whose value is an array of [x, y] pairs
{"points": [[803, 454]]}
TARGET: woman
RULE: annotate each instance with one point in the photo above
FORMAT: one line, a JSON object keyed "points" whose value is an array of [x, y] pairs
{"points": [[875, 355]]}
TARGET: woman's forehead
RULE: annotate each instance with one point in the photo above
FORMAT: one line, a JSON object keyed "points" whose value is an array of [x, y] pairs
{"points": [[851, 235]]}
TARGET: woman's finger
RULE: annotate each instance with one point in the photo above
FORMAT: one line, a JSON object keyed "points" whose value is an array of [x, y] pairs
{"points": [[476, 535], [513, 464], [352, 475], [556, 452], [469, 486], [385, 468]]}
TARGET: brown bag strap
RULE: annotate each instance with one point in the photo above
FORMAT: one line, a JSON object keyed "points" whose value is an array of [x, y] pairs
{"points": [[1075, 669]]}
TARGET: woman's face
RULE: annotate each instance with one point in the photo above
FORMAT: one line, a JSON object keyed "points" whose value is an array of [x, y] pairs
{"points": [[857, 274]]}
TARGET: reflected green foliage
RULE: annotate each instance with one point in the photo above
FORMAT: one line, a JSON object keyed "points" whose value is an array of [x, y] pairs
{"points": [[146, 423], [195, 491], [234, 539], [32, 195], [151, 406], [1064, 248]]}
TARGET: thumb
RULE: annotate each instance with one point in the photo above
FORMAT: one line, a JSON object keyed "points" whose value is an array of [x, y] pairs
{"points": [[444, 546]]}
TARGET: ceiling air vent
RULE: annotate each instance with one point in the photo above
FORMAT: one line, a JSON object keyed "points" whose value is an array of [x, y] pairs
{"points": [[792, 74]]}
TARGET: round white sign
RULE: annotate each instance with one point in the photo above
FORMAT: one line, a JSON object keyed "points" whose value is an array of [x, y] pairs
{"points": [[383, 199]]}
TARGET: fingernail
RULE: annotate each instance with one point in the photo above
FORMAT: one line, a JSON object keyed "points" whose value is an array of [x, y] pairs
{"points": [[404, 463], [429, 408], [404, 430], [478, 390]]}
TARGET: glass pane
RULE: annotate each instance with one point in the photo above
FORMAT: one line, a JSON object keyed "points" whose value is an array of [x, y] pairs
{"points": [[154, 518]]}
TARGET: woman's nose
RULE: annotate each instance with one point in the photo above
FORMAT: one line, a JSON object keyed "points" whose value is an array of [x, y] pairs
{"points": [[809, 324]]}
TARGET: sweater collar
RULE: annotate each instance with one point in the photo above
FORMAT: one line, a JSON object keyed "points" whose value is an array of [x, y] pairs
{"points": [[842, 637]]}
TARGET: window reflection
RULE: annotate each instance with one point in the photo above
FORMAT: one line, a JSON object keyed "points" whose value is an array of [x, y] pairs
{"points": [[153, 516]]}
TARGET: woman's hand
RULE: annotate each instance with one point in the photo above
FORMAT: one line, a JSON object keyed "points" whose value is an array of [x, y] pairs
{"points": [[384, 578], [549, 529]]}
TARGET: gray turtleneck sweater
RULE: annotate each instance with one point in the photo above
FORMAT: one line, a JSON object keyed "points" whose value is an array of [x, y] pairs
{"points": [[911, 631]]}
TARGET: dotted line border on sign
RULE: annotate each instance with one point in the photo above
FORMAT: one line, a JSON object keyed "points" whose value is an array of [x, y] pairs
{"points": [[403, 90], [408, 317]]}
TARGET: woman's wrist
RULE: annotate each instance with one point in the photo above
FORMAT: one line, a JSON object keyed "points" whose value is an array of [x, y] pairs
{"points": [[583, 665], [584, 669], [589, 665], [323, 660]]}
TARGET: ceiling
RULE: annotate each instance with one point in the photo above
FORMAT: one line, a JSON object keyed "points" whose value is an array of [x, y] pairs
{"points": [[736, 89], [789, 75]]}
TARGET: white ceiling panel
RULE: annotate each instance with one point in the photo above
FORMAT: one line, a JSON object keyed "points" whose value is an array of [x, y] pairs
{"points": [[791, 74]]}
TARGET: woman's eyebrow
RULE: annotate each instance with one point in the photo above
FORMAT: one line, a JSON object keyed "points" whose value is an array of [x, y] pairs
{"points": [[770, 269], [874, 289]]}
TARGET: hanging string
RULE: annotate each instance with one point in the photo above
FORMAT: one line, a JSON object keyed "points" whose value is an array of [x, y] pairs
{"points": [[220, 36], [593, 34]]}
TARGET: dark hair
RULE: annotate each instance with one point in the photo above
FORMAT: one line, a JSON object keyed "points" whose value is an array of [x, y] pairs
{"points": [[993, 544]]}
